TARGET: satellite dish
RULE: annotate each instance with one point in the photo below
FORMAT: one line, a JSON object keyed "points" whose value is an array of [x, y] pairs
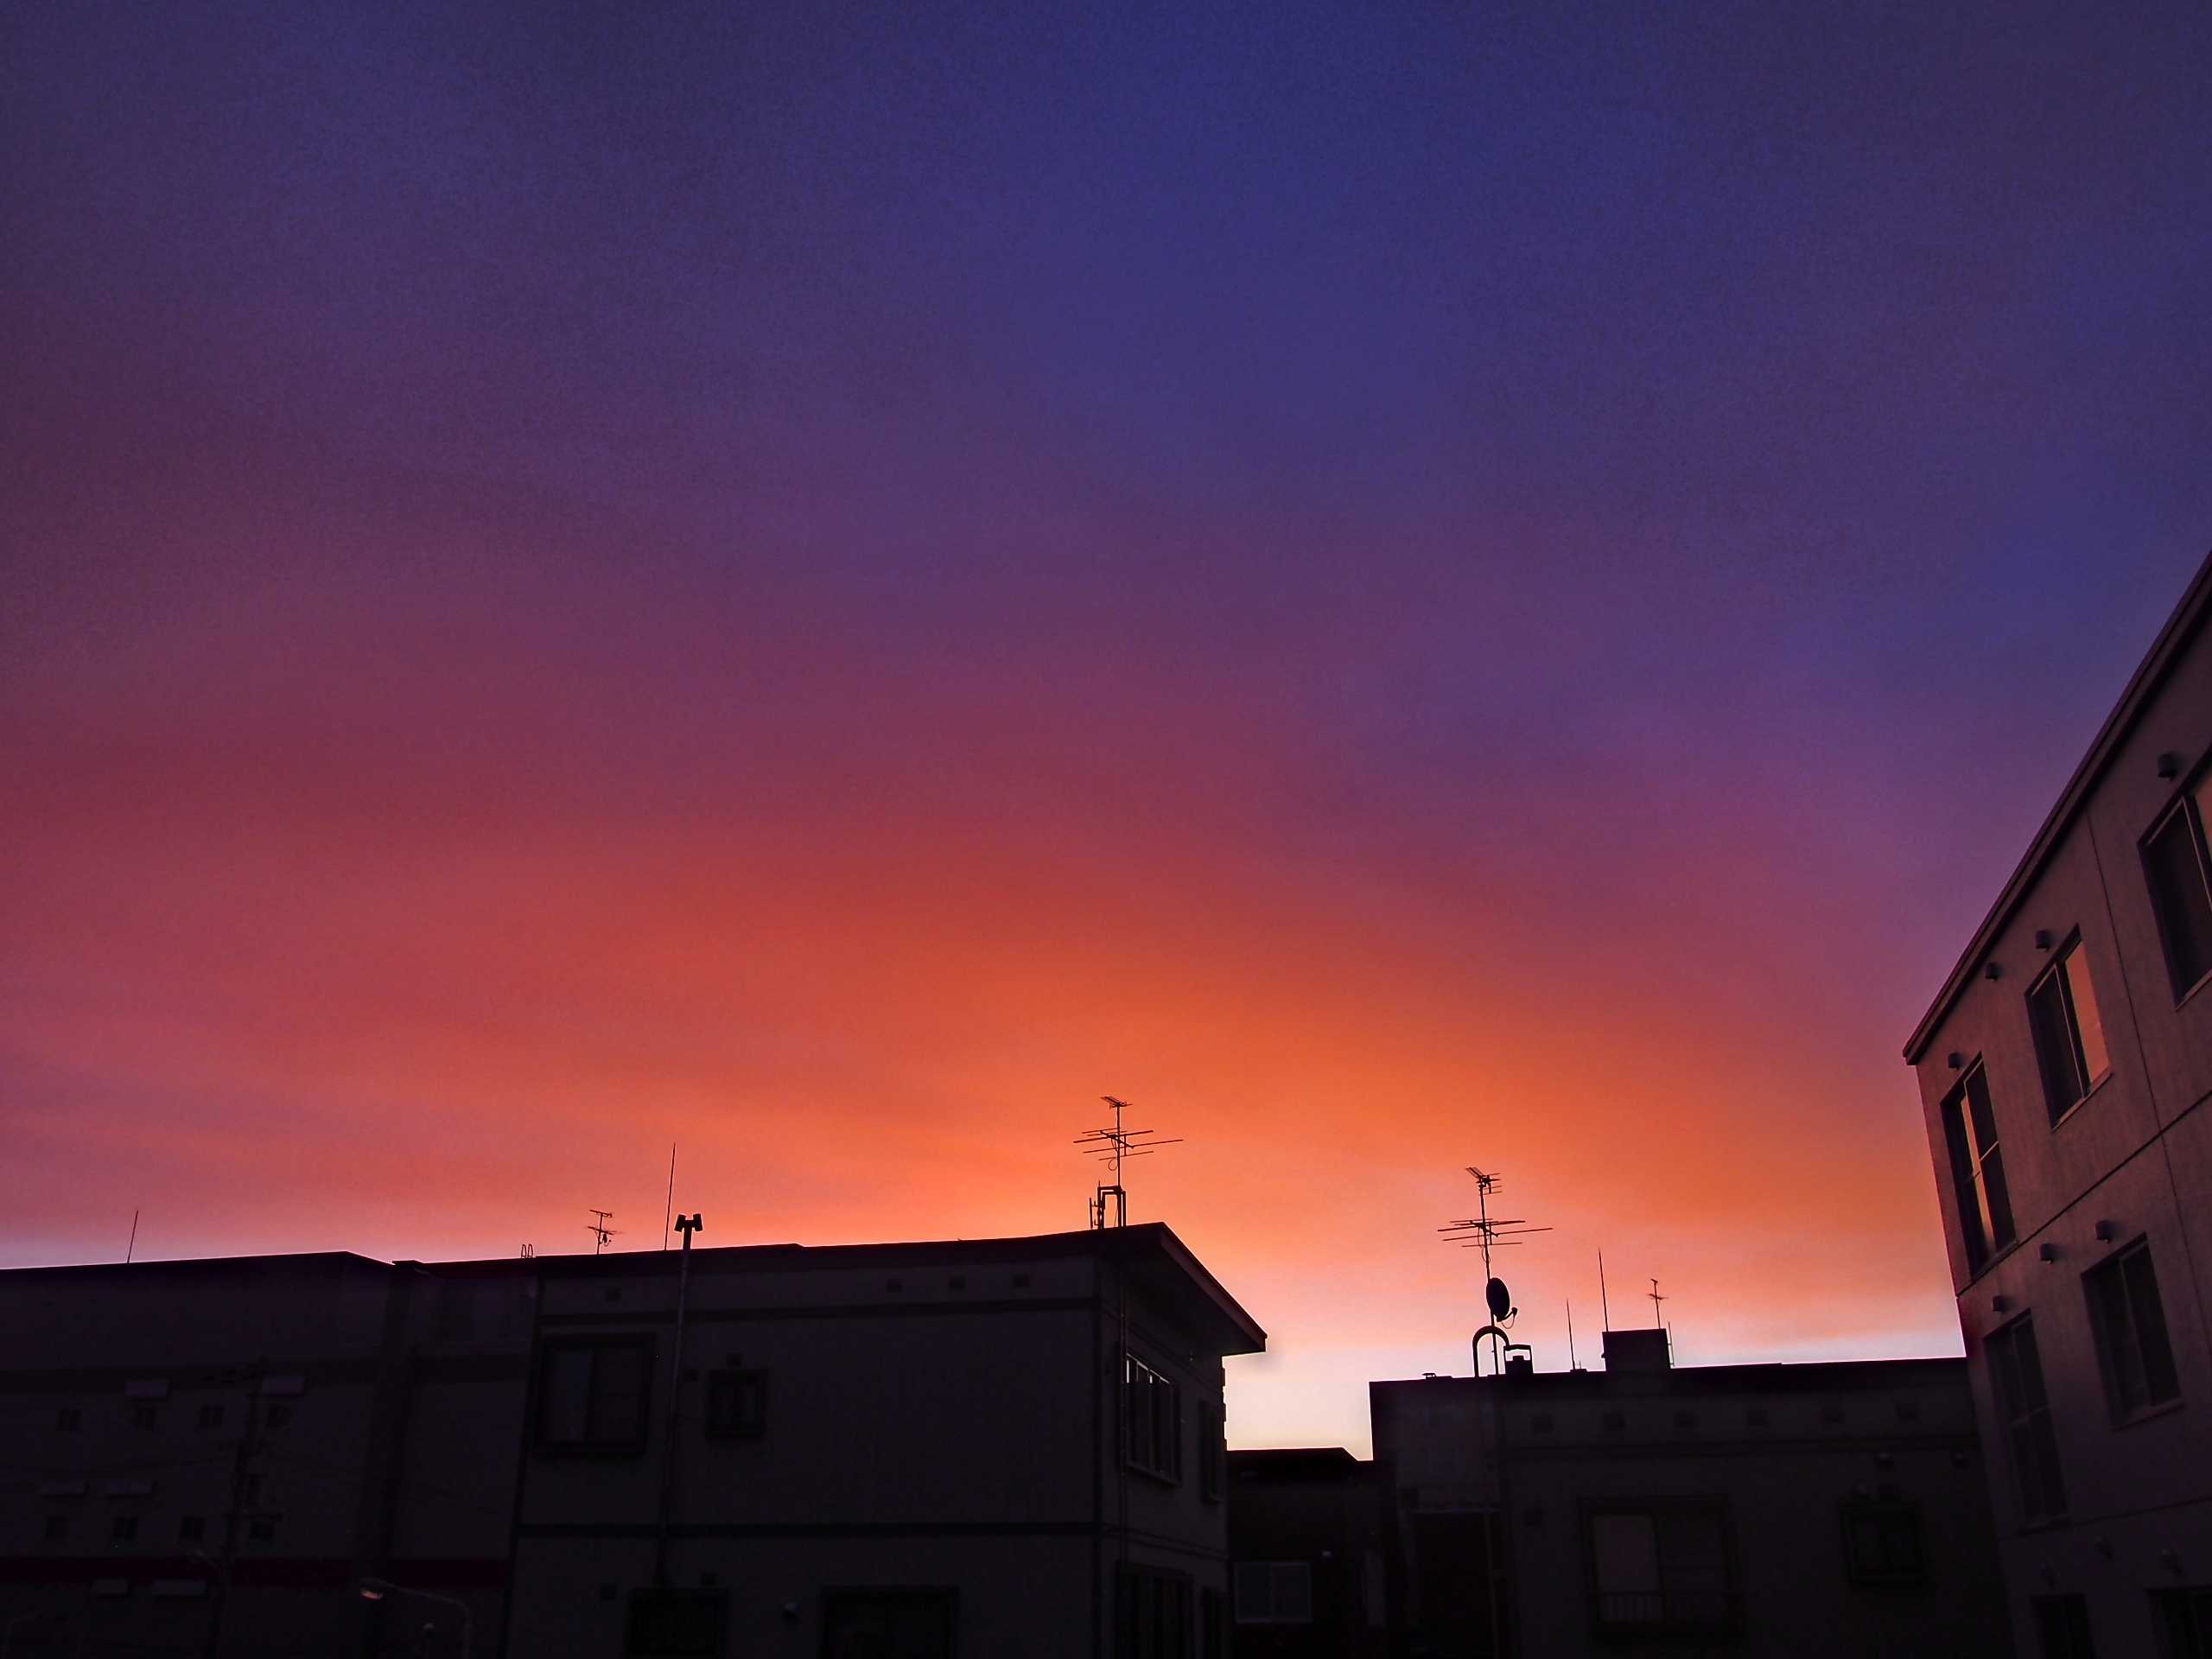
{"points": [[1500, 1300]]}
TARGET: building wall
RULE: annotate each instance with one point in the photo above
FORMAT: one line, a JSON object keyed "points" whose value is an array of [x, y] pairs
{"points": [[2135, 1156]]}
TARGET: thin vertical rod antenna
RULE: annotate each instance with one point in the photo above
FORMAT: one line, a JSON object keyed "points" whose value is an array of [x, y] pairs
{"points": [[130, 1249], [669, 1209], [1605, 1307], [1570, 1335]]}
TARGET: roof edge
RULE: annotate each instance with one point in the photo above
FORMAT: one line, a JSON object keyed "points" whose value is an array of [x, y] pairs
{"points": [[2196, 600]]}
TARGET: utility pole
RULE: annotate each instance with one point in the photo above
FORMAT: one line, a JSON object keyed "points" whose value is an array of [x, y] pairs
{"points": [[686, 1225], [241, 1472]]}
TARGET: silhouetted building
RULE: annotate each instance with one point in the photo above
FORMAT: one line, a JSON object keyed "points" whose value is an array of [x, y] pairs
{"points": [[899, 1451], [1802, 1510], [1305, 1566], [2064, 1068]]}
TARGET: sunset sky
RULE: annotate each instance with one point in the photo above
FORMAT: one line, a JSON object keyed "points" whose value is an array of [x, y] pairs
{"points": [[1402, 585]]}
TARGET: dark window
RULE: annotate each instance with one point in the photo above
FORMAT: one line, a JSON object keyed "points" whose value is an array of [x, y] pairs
{"points": [[674, 1624], [2185, 1621], [2062, 1627], [191, 1529], [1661, 1567], [1273, 1593], [1977, 1169], [145, 1416], [1152, 1411], [69, 1419], [1882, 1542], [261, 1528], [2069, 1031], [1151, 1614], [278, 1413], [211, 1416], [889, 1624], [57, 1527], [2180, 872], [124, 1528], [1211, 1452], [2024, 1413], [593, 1391], [737, 1404], [2136, 1360]]}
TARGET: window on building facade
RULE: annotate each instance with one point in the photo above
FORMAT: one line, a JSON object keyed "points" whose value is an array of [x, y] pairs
{"points": [[1211, 1452], [1151, 1614], [1882, 1542], [277, 1415], [57, 1527], [211, 1416], [2069, 1032], [1977, 1169], [592, 1392], [124, 1528], [1153, 1410], [1272, 1592], [145, 1416], [1662, 1567], [2179, 868], [2184, 1619], [191, 1529], [261, 1528], [2016, 1378], [737, 1403], [2062, 1627], [2130, 1322]]}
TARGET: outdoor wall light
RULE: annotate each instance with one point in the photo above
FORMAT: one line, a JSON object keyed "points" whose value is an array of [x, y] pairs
{"points": [[1957, 1059], [2105, 1230], [2169, 764], [2043, 938], [1991, 970], [1998, 1304], [2046, 1252]]}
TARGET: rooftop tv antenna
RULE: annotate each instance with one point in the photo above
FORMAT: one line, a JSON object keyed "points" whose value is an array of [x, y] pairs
{"points": [[1117, 1145], [1486, 1232], [601, 1232], [1655, 1297]]}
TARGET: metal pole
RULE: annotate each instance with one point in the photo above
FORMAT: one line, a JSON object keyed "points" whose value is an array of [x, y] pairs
{"points": [[239, 1470], [686, 1225]]}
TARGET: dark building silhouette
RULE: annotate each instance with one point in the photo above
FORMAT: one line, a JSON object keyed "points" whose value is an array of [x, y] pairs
{"points": [[1306, 1564], [2064, 1068], [1806, 1510], [901, 1451]]}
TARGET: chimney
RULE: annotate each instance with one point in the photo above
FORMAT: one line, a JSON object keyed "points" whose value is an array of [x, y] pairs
{"points": [[1636, 1350]]}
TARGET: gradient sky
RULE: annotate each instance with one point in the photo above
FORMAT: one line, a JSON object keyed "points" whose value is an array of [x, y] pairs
{"points": [[1402, 585]]}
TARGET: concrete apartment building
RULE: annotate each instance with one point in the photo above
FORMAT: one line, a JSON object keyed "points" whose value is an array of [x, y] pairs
{"points": [[1804, 1509], [2064, 1068], [1005, 1447], [1306, 1559]]}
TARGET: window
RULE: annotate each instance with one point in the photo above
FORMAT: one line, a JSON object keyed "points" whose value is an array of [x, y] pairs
{"points": [[1210, 1452], [592, 1392], [889, 1624], [2062, 1627], [676, 1625], [211, 1416], [277, 1415], [2016, 1379], [1151, 1614], [261, 1528], [123, 1529], [2069, 1032], [1662, 1567], [69, 1419], [191, 1529], [1977, 1169], [1273, 1593], [737, 1404], [2133, 1352], [145, 1416], [2180, 873], [57, 1528], [2184, 1622], [1882, 1542], [1153, 1412]]}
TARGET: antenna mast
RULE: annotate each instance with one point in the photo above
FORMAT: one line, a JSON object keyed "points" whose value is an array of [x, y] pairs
{"points": [[601, 1232], [1485, 1232], [1116, 1144]]}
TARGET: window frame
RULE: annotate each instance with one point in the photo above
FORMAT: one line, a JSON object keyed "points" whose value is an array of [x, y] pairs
{"points": [[2188, 806], [1213, 1451], [1979, 1189], [1889, 1570], [629, 1444], [1301, 1572], [746, 1418], [2183, 1616], [1142, 1380], [2113, 1269], [1729, 1617], [2018, 1419], [2064, 1046]]}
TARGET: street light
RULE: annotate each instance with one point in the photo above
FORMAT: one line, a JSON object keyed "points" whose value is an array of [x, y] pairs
{"points": [[377, 1589]]}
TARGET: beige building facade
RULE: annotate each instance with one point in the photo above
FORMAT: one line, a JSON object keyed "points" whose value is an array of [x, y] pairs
{"points": [[2064, 1070]]}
